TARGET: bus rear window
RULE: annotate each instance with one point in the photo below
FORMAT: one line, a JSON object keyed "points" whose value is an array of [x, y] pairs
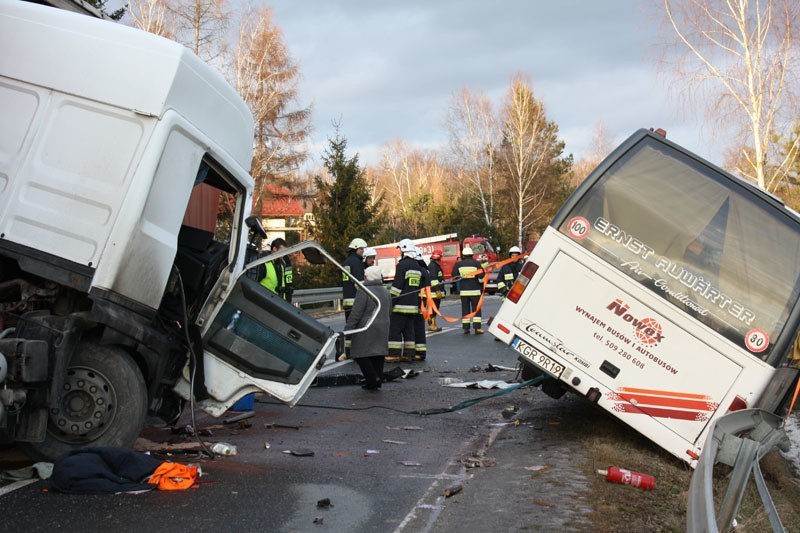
{"points": [[694, 237]]}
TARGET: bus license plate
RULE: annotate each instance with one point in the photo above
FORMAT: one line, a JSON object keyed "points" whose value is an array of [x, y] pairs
{"points": [[537, 357]]}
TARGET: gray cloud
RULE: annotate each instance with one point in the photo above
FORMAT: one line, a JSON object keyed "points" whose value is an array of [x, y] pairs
{"points": [[388, 69]]}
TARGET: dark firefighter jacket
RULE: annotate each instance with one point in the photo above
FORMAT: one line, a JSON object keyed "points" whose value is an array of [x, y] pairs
{"points": [[409, 278], [470, 284], [355, 269]]}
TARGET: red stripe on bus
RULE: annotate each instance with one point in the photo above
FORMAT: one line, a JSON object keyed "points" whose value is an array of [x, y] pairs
{"points": [[643, 399], [658, 412], [666, 393]]}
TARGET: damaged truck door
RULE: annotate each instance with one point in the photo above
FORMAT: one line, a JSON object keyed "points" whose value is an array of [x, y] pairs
{"points": [[124, 190]]}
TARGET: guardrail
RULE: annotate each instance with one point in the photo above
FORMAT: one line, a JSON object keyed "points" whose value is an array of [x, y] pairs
{"points": [[739, 439], [306, 297]]}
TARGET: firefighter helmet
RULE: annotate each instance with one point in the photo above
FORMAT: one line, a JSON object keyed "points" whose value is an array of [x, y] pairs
{"points": [[417, 252], [514, 250], [467, 251], [369, 252], [357, 243], [406, 246], [436, 255]]}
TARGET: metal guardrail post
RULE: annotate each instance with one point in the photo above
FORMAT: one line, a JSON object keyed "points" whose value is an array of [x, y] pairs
{"points": [[743, 453]]}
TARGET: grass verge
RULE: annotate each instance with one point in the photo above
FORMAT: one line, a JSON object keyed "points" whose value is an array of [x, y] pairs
{"points": [[621, 508]]}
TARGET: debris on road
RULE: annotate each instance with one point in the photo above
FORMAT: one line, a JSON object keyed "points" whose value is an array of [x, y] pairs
{"points": [[510, 411], [241, 416], [476, 461], [394, 373], [536, 468], [302, 452], [483, 384], [224, 448], [266, 445], [390, 441], [452, 490], [410, 463], [318, 520], [497, 368], [280, 426], [324, 503]]}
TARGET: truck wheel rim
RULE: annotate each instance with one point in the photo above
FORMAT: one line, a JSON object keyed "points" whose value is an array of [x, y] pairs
{"points": [[86, 408]]}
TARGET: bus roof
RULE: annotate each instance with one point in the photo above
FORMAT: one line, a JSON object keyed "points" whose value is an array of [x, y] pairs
{"points": [[127, 68]]}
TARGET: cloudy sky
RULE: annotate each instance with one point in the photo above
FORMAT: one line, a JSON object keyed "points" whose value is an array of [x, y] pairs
{"points": [[388, 69]]}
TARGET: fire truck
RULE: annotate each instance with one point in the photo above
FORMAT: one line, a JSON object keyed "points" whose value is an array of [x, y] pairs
{"points": [[448, 245]]}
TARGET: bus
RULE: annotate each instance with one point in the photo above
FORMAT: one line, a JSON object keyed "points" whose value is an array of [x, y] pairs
{"points": [[665, 291]]}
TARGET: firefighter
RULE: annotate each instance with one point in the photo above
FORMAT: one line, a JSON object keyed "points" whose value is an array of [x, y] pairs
{"points": [[469, 289], [510, 271], [369, 256], [420, 341], [405, 304], [437, 287], [354, 269]]}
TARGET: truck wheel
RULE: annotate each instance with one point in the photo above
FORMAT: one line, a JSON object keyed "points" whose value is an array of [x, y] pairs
{"points": [[102, 403]]}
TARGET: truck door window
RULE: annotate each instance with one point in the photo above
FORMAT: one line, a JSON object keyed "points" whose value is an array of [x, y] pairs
{"points": [[206, 235]]}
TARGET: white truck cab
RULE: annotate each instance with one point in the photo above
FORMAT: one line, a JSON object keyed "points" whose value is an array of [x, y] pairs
{"points": [[124, 191]]}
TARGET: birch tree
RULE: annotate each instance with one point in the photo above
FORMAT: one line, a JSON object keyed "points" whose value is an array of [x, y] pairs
{"points": [[152, 16], [530, 151], [200, 25], [266, 77], [744, 53], [473, 140]]}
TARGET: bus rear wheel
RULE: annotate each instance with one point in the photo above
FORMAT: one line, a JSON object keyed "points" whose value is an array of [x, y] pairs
{"points": [[102, 403]]}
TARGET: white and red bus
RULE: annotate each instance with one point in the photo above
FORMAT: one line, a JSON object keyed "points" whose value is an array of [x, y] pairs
{"points": [[665, 290]]}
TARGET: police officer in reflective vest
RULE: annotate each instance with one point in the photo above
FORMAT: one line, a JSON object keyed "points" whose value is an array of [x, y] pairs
{"points": [[276, 271], [408, 279], [354, 268], [469, 289]]}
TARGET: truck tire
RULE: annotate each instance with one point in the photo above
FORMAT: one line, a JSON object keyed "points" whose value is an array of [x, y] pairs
{"points": [[103, 403]]}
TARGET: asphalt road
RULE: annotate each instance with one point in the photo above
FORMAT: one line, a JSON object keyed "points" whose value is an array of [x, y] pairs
{"points": [[383, 466]]}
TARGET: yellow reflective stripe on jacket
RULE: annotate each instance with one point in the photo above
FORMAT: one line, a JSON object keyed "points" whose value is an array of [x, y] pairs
{"points": [[470, 293], [405, 309], [467, 271]]}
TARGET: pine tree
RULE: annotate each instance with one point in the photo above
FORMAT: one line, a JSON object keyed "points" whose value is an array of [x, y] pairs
{"points": [[345, 208]]}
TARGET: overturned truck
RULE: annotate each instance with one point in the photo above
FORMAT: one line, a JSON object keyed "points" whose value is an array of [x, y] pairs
{"points": [[124, 191]]}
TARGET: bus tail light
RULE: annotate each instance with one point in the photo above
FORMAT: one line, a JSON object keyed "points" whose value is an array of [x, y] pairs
{"points": [[504, 329], [737, 404], [522, 281]]}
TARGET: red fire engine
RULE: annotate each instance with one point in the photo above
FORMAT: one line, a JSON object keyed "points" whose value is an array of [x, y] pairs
{"points": [[448, 245]]}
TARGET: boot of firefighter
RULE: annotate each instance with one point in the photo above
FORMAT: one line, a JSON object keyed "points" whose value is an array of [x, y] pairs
{"points": [[433, 326]]}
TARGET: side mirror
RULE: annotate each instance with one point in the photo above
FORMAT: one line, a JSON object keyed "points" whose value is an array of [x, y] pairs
{"points": [[313, 256], [254, 223]]}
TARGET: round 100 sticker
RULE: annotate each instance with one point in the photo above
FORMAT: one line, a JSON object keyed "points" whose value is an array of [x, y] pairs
{"points": [[578, 227], [756, 340]]}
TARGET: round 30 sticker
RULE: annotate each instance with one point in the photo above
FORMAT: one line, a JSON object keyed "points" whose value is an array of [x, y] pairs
{"points": [[756, 340], [578, 227]]}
